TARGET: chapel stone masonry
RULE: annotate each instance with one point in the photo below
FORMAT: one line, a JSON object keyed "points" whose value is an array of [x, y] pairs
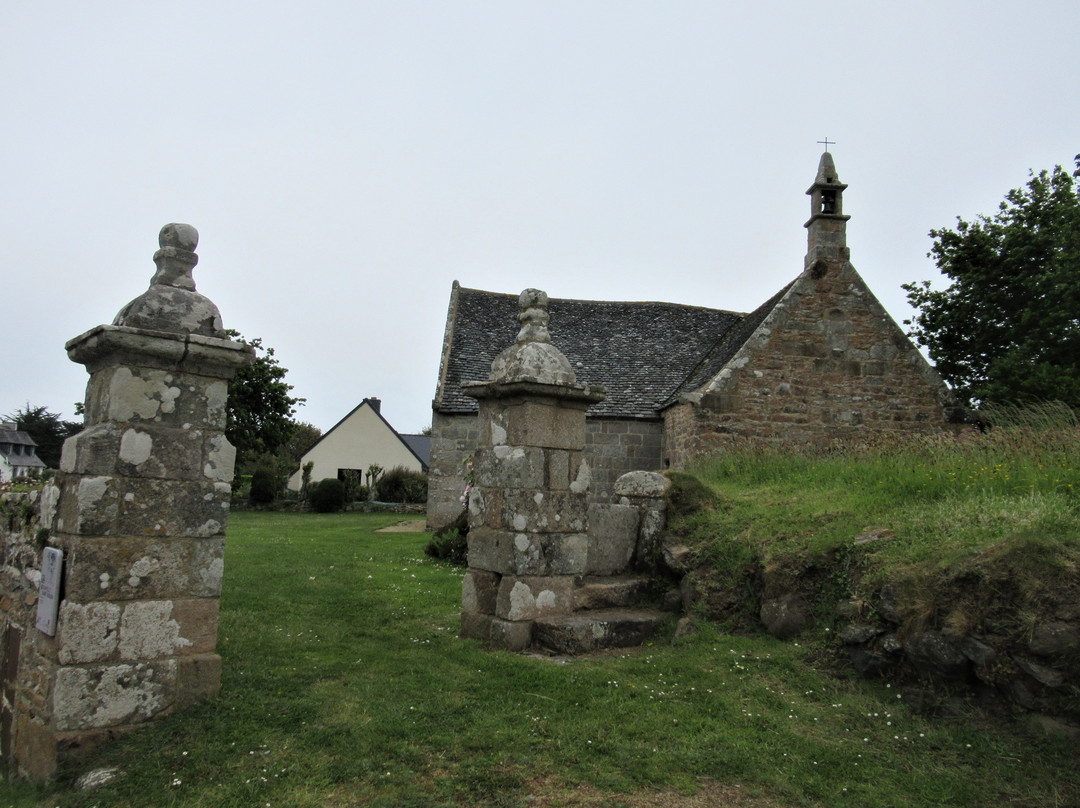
{"points": [[819, 361], [140, 515]]}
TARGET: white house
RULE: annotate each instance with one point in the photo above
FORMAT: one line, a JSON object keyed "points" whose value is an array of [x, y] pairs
{"points": [[18, 457], [360, 439]]}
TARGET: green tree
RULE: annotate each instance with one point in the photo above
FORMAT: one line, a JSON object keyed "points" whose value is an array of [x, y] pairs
{"points": [[304, 437], [1007, 329], [46, 429], [260, 408]]}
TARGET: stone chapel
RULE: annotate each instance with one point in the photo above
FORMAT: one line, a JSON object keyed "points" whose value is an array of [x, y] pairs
{"points": [[820, 360]]}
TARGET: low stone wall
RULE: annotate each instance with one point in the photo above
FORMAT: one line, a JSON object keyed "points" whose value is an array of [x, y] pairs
{"points": [[612, 448], [617, 447], [26, 655]]}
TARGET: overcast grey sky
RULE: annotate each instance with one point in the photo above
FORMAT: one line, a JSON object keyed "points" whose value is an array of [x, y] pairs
{"points": [[345, 162]]}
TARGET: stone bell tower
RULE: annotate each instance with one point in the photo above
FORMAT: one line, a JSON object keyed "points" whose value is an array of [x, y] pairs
{"points": [[827, 226]]}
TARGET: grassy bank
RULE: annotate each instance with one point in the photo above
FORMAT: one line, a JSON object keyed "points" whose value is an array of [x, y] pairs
{"points": [[997, 511], [345, 685]]}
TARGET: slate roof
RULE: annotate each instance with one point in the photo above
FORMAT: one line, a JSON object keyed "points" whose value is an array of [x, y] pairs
{"points": [[644, 353], [420, 446], [10, 437]]}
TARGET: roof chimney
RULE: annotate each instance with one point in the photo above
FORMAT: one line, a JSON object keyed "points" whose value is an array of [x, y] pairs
{"points": [[374, 403]]}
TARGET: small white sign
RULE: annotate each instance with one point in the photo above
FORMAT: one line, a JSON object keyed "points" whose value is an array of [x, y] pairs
{"points": [[52, 563]]}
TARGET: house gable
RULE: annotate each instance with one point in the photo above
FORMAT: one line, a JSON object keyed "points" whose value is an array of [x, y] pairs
{"points": [[360, 439]]}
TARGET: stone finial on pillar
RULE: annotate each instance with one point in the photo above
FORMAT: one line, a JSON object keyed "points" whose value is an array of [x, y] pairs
{"points": [[532, 358], [141, 515]]}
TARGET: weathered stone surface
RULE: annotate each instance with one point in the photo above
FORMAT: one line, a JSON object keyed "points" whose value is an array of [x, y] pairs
{"points": [[511, 635], [676, 558], [786, 616], [148, 630], [126, 506], [1054, 638], [642, 484], [479, 591], [112, 695], [936, 656], [540, 511], [854, 634], [505, 466], [889, 605], [476, 626], [613, 532], [653, 519], [978, 652], [610, 592], [491, 550], [88, 632], [154, 568], [198, 678], [585, 632], [685, 628], [1047, 677], [547, 423], [530, 597], [528, 553]]}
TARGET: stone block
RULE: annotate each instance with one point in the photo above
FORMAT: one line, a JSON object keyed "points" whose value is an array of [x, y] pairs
{"points": [[476, 626], [650, 533], [34, 749], [545, 512], [585, 632], [512, 553], [560, 465], [613, 532], [642, 484], [93, 697], [119, 506], [87, 632], [550, 553], [88, 505], [153, 568], [510, 467], [198, 620], [93, 452], [510, 635], [530, 597], [479, 591], [552, 425], [161, 507], [198, 678], [491, 550], [150, 629]]}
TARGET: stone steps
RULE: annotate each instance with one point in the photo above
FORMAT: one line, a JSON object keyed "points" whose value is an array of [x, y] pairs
{"points": [[596, 630], [610, 591]]}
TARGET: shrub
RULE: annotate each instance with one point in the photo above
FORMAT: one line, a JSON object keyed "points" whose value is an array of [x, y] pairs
{"points": [[328, 495], [264, 486], [451, 542], [401, 485]]}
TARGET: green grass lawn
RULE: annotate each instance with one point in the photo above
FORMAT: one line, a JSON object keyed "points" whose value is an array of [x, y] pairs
{"points": [[345, 684]]}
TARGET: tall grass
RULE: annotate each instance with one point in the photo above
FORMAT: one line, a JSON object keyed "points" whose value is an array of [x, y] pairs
{"points": [[943, 496], [345, 684]]}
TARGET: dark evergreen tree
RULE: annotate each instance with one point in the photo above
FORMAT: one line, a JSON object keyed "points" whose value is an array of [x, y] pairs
{"points": [[46, 429]]}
